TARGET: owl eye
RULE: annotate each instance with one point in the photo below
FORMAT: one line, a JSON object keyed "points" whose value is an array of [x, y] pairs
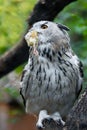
{"points": [[44, 26]]}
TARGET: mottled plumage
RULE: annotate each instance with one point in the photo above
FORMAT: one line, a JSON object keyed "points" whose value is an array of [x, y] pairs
{"points": [[52, 78]]}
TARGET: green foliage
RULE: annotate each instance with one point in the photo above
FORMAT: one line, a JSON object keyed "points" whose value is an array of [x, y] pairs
{"points": [[13, 14], [12, 91]]}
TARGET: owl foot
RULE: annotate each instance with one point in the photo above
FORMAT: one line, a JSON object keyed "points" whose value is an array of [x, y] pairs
{"points": [[49, 121]]}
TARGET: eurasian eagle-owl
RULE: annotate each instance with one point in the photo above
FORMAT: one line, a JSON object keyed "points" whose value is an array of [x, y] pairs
{"points": [[52, 78]]}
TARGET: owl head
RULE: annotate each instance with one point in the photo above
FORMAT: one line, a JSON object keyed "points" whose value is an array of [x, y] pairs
{"points": [[46, 32]]}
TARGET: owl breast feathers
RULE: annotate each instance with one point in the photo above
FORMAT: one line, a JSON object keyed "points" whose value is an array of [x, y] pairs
{"points": [[52, 78]]}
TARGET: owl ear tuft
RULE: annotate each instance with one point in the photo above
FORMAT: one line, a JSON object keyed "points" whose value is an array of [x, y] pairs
{"points": [[63, 27]]}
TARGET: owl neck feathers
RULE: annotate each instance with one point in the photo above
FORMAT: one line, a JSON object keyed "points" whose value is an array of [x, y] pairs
{"points": [[52, 51]]}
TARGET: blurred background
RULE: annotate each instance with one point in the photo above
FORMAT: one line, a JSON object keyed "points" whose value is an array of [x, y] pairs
{"points": [[13, 23]]}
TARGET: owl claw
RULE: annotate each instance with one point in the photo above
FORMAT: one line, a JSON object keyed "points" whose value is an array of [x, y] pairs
{"points": [[42, 116], [46, 122], [49, 121]]}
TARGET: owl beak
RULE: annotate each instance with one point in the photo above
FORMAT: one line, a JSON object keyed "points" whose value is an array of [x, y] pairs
{"points": [[32, 38]]}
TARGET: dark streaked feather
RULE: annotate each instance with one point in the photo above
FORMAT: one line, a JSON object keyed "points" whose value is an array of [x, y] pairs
{"points": [[23, 73], [81, 69], [63, 27], [82, 75], [24, 101]]}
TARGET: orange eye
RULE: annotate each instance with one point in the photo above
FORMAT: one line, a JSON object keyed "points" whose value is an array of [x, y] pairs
{"points": [[44, 26]]}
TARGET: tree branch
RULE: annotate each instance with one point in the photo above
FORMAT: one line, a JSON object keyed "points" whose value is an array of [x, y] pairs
{"points": [[44, 10], [77, 118]]}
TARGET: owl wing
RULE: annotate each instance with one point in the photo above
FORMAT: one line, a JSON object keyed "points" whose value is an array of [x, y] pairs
{"points": [[25, 83], [21, 89]]}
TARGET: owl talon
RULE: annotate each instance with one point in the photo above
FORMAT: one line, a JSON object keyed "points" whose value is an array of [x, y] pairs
{"points": [[46, 122], [49, 121], [42, 115]]}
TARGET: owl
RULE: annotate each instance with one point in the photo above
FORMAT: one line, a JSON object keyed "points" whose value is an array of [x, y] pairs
{"points": [[52, 79]]}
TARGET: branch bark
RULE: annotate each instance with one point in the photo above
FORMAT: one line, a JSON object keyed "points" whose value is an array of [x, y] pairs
{"points": [[77, 118], [43, 10]]}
